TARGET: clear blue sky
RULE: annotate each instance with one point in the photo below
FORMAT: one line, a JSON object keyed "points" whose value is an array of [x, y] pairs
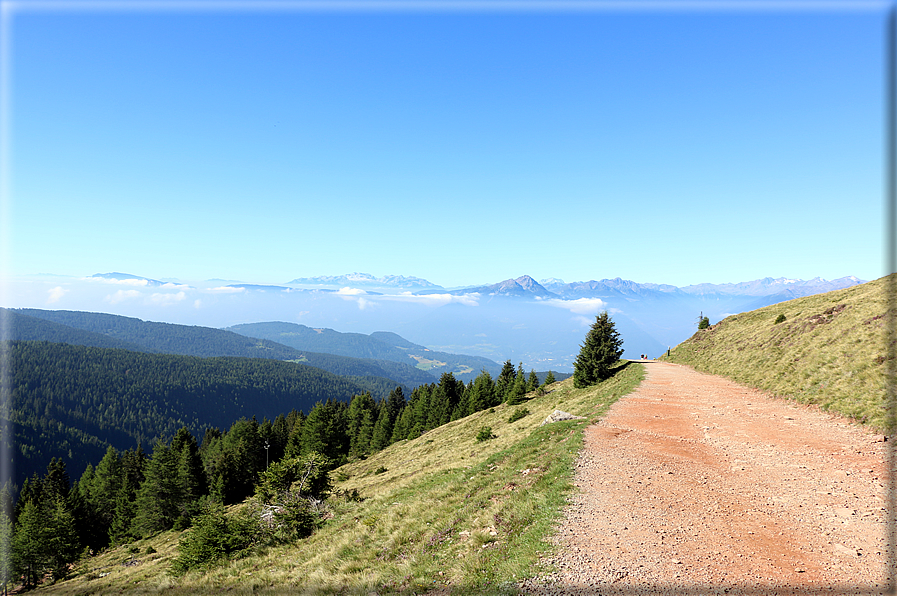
{"points": [[462, 146]]}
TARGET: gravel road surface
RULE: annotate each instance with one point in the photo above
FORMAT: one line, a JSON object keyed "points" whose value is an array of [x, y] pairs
{"points": [[693, 484]]}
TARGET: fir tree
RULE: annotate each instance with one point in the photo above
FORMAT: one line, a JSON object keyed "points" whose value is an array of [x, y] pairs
{"points": [[482, 393], [159, 497], [6, 553], [360, 418], [533, 382], [62, 543], [505, 381], [601, 350], [29, 543], [380, 439], [518, 389]]}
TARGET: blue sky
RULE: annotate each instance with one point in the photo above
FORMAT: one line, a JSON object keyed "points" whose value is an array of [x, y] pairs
{"points": [[462, 146]]}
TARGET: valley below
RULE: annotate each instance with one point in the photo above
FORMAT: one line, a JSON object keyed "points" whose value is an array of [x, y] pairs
{"points": [[695, 484]]}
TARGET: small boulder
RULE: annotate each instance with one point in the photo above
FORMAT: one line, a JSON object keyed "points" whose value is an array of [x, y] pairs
{"points": [[559, 415]]}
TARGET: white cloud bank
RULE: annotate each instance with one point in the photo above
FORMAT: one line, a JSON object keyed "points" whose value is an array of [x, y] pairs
{"points": [[350, 292], [56, 294], [436, 299], [121, 296], [580, 306], [164, 299]]}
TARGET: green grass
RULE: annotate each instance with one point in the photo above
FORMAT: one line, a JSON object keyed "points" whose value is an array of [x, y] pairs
{"points": [[448, 512], [829, 350]]}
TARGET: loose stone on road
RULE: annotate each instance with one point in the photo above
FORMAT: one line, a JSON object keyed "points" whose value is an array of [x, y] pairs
{"points": [[694, 483]]}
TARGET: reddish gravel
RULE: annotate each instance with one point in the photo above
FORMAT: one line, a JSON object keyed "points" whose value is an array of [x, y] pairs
{"points": [[694, 484]]}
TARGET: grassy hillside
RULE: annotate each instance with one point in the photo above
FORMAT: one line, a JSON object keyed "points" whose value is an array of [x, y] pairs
{"points": [[829, 350], [442, 510]]}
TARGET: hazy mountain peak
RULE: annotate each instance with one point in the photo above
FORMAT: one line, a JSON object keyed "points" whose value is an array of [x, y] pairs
{"points": [[365, 279]]}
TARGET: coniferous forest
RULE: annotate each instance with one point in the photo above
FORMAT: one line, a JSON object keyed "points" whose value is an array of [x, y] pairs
{"points": [[157, 442]]}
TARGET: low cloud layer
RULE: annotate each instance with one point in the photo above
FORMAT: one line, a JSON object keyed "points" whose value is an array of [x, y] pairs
{"points": [[56, 294], [167, 298], [121, 296], [436, 299], [580, 306]]}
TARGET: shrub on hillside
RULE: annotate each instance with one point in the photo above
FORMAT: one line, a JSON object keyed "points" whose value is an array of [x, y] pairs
{"points": [[306, 475], [216, 536], [518, 414], [779, 319], [485, 434]]}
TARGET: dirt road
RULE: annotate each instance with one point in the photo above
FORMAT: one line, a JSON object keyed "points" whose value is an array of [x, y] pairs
{"points": [[693, 484]]}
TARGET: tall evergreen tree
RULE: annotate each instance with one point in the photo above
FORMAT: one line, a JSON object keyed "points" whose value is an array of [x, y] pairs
{"points": [[395, 403], [482, 393], [518, 389], [533, 382], [380, 439], [325, 431], [6, 553], [420, 409], [30, 543], [133, 464], [190, 474], [505, 381], [63, 545], [601, 350], [360, 419], [159, 497]]}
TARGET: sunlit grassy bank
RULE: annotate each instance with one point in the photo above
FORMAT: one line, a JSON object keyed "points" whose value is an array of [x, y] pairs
{"points": [[828, 349], [443, 511]]}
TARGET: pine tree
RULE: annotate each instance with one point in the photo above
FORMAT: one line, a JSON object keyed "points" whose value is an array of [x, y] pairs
{"points": [[159, 497], [533, 382], [325, 431], [29, 543], [601, 350], [518, 388], [549, 378], [382, 430], [62, 542], [482, 393], [6, 554], [360, 418], [505, 381]]}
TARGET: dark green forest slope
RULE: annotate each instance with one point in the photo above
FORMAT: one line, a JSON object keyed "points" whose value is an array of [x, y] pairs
{"points": [[113, 331], [75, 401], [166, 338]]}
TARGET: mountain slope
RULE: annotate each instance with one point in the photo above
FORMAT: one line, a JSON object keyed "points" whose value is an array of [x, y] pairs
{"points": [[829, 350], [114, 331], [379, 345], [74, 401], [23, 327], [167, 338]]}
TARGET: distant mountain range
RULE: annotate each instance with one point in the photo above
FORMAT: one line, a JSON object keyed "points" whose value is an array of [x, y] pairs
{"points": [[362, 280], [526, 286], [538, 323]]}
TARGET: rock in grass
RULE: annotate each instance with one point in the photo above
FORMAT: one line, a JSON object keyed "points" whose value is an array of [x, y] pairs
{"points": [[559, 415]]}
